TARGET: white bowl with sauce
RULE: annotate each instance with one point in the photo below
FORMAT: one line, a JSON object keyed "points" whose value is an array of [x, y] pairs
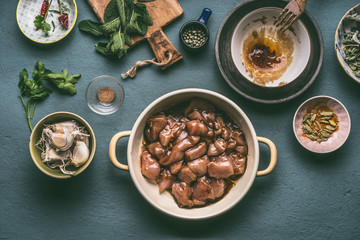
{"points": [[291, 49], [164, 202]]}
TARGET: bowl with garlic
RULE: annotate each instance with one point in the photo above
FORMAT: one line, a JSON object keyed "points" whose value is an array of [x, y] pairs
{"points": [[62, 145]]}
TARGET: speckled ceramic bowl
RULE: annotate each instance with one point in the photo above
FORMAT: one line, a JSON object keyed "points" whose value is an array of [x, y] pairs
{"points": [[337, 139], [27, 10], [344, 26], [36, 134], [164, 201]]}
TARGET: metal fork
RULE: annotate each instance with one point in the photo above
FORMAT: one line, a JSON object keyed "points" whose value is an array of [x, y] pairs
{"points": [[290, 14]]}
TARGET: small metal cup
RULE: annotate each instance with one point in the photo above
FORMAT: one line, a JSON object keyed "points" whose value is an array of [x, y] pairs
{"points": [[199, 24]]}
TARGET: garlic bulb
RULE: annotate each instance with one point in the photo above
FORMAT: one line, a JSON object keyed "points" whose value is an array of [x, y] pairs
{"points": [[64, 145], [60, 141], [71, 126], [80, 154]]}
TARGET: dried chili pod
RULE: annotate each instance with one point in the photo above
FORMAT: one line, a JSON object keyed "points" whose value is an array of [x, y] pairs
{"points": [[64, 20], [44, 8], [40, 19]]}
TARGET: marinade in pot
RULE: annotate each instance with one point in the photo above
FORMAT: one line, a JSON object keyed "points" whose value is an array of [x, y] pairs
{"points": [[194, 151]]}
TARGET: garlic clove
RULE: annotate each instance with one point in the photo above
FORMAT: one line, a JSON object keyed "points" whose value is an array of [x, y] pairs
{"points": [[80, 154], [61, 141], [53, 155], [58, 140], [60, 127]]}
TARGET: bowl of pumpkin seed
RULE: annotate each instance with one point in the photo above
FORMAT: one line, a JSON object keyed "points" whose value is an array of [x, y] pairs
{"points": [[321, 124]]}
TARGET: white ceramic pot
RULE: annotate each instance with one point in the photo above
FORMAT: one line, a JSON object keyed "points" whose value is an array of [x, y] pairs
{"points": [[164, 201]]}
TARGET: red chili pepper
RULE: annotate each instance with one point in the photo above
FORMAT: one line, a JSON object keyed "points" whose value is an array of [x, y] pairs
{"points": [[64, 20], [44, 8]]}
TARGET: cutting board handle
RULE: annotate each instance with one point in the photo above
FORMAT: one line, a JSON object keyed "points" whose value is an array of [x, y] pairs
{"points": [[161, 47]]}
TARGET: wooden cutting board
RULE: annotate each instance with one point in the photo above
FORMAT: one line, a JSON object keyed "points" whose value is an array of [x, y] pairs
{"points": [[162, 13]]}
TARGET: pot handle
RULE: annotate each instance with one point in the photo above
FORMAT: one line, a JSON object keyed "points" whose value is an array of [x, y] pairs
{"points": [[273, 156], [112, 149]]}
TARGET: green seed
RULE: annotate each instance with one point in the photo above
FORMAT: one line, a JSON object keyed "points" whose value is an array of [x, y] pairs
{"points": [[332, 123], [312, 137], [308, 129], [308, 123], [330, 128], [306, 117], [313, 117], [326, 114], [326, 118], [326, 135]]}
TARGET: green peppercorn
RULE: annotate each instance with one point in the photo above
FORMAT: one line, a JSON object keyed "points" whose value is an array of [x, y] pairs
{"points": [[194, 37]]}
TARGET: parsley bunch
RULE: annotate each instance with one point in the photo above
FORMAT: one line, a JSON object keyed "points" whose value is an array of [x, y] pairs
{"points": [[35, 90]]}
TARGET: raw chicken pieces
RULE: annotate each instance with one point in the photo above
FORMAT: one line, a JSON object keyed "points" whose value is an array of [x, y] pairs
{"points": [[195, 152]]}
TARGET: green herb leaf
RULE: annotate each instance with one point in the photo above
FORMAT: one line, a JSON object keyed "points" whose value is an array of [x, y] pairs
{"points": [[123, 19], [119, 44], [63, 82], [127, 39], [69, 88], [91, 28], [73, 78], [141, 9], [23, 78], [38, 21], [40, 93], [136, 26], [111, 27], [45, 27], [111, 11], [120, 4], [101, 47], [351, 44], [40, 72]]}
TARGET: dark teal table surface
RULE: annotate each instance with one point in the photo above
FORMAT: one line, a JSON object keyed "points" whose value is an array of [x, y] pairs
{"points": [[307, 196]]}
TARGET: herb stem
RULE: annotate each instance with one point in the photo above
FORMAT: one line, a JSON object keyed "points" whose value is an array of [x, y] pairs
{"points": [[54, 11], [33, 109], [47, 11], [22, 100], [352, 45], [59, 7], [27, 106], [28, 113]]}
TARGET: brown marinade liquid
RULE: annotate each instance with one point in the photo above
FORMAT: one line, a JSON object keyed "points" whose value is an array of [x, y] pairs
{"points": [[262, 57]]}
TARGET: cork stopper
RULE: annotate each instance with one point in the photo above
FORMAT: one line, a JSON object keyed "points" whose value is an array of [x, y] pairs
{"points": [[106, 95]]}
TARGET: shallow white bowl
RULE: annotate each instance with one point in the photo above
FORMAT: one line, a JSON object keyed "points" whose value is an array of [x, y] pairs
{"points": [[298, 33]]}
